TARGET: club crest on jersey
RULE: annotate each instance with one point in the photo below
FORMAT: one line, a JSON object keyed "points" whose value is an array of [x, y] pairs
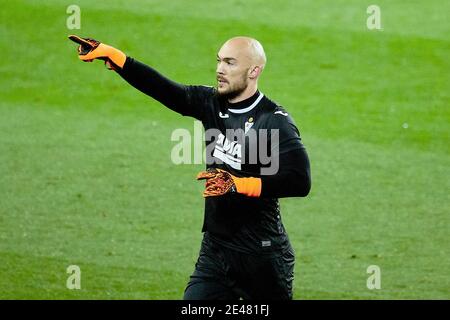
{"points": [[248, 124]]}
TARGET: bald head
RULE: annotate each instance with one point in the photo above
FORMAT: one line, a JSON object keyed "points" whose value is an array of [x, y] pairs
{"points": [[249, 50]]}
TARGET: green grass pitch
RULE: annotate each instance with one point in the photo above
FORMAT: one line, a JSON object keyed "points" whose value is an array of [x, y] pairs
{"points": [[85, 172]]}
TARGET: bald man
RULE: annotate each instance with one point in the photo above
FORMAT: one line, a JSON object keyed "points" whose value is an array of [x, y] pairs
{"points": [[254, 156]]}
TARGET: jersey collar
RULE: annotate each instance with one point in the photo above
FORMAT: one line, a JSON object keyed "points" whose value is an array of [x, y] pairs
{"points": [[250, 107]]}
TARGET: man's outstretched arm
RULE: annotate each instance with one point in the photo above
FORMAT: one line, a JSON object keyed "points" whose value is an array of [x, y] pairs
{"points": [[149, 81], [177, 97]]}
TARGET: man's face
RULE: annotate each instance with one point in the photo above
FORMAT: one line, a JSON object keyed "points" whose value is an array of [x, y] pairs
{"points": [[232, 71]]}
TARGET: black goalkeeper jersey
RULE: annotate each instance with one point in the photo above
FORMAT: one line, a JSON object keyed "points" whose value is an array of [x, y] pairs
{"points": [[252, 138]]}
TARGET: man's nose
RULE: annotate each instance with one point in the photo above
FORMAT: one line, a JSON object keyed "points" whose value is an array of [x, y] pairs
{"points": [[219, 68]]}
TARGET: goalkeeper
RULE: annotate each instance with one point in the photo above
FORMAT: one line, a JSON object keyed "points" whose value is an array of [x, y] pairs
{"points": [[245, 251]]}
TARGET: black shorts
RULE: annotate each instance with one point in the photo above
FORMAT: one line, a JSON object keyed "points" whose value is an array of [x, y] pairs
{"points": [[225, 274]]}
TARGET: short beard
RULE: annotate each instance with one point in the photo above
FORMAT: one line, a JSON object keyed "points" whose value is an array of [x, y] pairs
{"points": [[229, 95], [235, 92]]}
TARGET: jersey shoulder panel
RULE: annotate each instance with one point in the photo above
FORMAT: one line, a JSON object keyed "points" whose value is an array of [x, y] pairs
{"points": [[277, 116], [199, 99], [287, 134], [199, 92]]}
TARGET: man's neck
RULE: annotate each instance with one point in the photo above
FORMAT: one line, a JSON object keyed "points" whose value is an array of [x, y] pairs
{"points": [[247, 93]]}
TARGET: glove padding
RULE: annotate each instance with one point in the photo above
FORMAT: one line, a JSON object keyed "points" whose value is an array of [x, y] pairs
{"points": [[90, 49], [218, 182]]}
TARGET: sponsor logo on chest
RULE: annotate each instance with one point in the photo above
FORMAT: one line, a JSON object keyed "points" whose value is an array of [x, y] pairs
{"points": [[230, 152]]}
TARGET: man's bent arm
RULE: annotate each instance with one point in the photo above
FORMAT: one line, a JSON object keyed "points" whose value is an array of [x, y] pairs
{"points": [[293, 178]]}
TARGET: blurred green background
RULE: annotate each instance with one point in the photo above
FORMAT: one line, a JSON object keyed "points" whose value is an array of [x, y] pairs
{"points": [[85, 172]]}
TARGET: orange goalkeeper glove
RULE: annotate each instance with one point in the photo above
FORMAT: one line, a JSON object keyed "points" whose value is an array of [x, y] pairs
{"points": [[90, 49], [220, 182]]}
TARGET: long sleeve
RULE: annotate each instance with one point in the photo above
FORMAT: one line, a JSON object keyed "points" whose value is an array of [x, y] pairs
{"points": [[183, 99], [293, 178]]}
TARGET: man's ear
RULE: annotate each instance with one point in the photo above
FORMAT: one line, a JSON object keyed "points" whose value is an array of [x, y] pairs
{"points": [[254, 72]]}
